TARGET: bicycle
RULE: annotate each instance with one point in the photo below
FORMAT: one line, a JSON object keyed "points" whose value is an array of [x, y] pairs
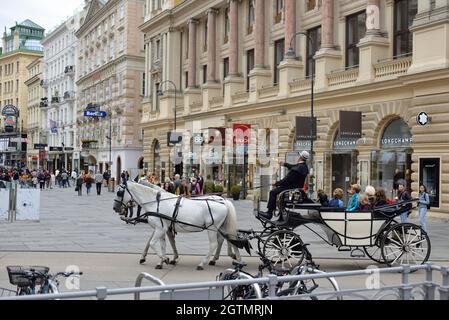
{"points": [[36, 279], [293, 288]]}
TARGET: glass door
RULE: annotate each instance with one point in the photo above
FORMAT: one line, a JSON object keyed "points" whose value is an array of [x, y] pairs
{"points": [[429, 169]]}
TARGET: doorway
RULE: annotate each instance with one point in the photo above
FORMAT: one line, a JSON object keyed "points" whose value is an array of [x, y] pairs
{"points": [[343, 172], [429, 176]]}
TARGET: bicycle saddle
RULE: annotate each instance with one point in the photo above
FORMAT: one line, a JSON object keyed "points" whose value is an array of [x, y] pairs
{"points": [[238, 264]]}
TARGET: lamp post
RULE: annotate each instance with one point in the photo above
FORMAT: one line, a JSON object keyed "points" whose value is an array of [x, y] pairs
{"points": [[160, 93], [291, 54], [110, 140]]}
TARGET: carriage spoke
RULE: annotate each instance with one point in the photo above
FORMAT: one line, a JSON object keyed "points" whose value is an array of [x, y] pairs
{"points": [[397, 258], [400, 240], [393, 252], [416, 235], [299, 243], [419, 254], [417, 242]]}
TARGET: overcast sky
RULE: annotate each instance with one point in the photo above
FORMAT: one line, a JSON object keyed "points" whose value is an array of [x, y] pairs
{"points": [[46, 13]]}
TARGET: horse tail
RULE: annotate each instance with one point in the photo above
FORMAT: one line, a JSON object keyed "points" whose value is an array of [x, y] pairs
{"points": [[230, 224]]}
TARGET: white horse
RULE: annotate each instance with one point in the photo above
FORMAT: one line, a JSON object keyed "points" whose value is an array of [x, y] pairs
{"points": [[214, 214], [144, 181]]}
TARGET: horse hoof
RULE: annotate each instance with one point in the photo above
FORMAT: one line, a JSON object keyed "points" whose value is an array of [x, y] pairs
{"points": [[158, 267], [142, 261], [212, 263], [167, 261], [173, 262], [199, 268]]}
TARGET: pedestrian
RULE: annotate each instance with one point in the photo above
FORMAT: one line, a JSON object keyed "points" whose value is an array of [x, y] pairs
{"points": [[41, 178], [106, 177], [423, 206], [403, 195], [53, 180], [64, 179], [79, 185], [336, 201], [295, 179], [88, 181], [35, 181], [47, 179], [124, 178], [98, 182], [74, 176], [353, 203], [200, 180], [183, 190], [194, 187]]}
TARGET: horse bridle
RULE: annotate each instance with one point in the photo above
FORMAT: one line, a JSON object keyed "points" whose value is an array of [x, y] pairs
{"points": [[121, 193]]}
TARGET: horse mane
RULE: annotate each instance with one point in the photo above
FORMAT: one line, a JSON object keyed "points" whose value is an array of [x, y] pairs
{"points": [[141, 191], [145, 182]]}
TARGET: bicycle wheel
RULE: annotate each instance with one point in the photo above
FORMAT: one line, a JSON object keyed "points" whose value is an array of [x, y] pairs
{"points": [[318, 289], [239, 292]]}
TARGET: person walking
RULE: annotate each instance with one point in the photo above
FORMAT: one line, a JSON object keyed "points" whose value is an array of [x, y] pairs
{"points": [[79, 185], [106, 177], [41, 179], [64, 179], [200, 181], [295, 179], [88, 181], [98, 182], [74, 175], [423, 206]]}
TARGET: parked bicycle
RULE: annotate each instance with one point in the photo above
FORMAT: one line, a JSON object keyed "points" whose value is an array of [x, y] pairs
{"points": [[293, 288], [36, 279]]}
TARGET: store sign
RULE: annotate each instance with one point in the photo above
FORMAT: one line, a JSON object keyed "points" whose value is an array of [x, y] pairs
{"points": [[350, 125], [241, 133], [56, 149], [303, 128], [10, 111], [40, 146], [216, 135], [68, 149], [422, 118], [397, 141], [301, 145]]}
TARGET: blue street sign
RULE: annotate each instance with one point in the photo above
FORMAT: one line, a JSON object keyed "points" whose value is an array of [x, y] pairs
{"points": [[95, 114]]}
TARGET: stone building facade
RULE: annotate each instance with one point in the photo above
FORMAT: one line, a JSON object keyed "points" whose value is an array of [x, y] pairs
{"points": [[387, 59], [110, 77]]}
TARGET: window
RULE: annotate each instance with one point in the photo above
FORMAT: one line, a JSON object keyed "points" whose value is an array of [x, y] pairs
{"points": [[17, 69], [249, 65], [205, 73], [122, 11], [112, 50], [17, 85], [311, 4], [142, 92], [279, 8], [98, 57], [225, 67], [105, 54], [227, 26], [158, 50], [112, 20], [251, 16], [355, 30], [120, 84], [315, 34], [404, 13], [186, 84], [122, 41], [279, 49], [205, 35]]}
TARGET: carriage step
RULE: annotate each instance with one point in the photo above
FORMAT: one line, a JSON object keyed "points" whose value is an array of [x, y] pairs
{"points": [[343, 248], [357, 253]]}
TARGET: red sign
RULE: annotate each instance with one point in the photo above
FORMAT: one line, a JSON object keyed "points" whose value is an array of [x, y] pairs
{"points": [[34, 158], [241, 131]]}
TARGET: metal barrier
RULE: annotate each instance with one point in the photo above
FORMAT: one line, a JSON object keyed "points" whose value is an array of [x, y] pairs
{"points": [[147, 276], [404, 291]]}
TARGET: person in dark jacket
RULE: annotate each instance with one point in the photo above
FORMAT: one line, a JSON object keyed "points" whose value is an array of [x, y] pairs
{"points": [[295, 179], [403, 195]]}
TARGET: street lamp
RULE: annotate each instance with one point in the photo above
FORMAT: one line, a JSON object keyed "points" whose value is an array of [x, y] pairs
{"points": [[291, 55], [110, 140]]}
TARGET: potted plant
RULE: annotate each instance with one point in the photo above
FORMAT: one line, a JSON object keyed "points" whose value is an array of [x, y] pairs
{"points": [[218, 189], [235, 191]]}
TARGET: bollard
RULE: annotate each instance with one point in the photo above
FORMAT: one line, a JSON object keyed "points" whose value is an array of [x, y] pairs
{"points": [[405, 291], [429, 286], [272, 283]]}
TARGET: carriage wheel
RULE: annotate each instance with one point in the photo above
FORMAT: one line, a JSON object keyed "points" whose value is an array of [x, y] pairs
{"points": [[263, 236], [375, 252], [405, 243], [284, 249]]}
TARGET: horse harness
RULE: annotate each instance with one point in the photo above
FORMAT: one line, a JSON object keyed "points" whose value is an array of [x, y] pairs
{"points": [[173, 219]]}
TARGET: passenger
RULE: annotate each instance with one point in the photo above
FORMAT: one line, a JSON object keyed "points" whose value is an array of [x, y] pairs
{"points": [[370, 192], [380, 198], [336, 201], [353, 203], [364, 203], [322, 198]]}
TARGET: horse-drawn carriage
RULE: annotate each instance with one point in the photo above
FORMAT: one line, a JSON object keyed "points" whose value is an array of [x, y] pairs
{"points": [[374, 233]]}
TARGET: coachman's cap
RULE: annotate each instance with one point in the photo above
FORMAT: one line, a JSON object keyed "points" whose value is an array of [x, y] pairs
{"points": [[304, 154]]}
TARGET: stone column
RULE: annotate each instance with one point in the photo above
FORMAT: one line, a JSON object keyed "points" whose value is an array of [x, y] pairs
{"points": [[260, 33], [373, 17], [327, 24], [192, 53], [234, 82], [192, 95], [327, 58], [233, 38], [260, 76], [290, 23], [211, 88], [211, 45], [373, 47]]}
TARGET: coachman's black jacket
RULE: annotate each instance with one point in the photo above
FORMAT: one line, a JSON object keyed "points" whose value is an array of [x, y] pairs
{"points": [[296, 176]]}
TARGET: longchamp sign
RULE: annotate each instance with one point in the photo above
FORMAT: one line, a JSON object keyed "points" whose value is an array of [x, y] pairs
{"points": [[350, 125], [303, 129]]}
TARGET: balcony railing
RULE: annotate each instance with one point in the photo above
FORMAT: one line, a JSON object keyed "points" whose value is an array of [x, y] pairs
{"points": [[240, 97], [299, 85], [269, 91], [392, 68], [55, 100], [344, 77]]}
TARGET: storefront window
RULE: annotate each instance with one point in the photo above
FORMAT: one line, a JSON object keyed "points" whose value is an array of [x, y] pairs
{"points": [[392, 163], [429, 169]]}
